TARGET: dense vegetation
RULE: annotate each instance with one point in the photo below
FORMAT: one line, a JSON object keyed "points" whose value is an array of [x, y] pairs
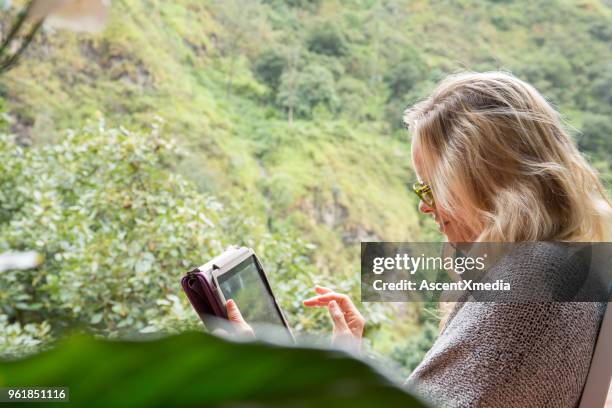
{"points": [[281, 130]]}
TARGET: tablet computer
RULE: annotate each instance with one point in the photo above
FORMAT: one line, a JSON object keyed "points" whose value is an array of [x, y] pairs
{"points": [[238, 274]]}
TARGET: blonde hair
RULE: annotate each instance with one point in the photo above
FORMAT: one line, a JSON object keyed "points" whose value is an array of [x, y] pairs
{"points": [[493, 145]]}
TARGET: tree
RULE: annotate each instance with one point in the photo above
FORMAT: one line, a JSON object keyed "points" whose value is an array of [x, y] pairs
{"points": [[404, 74], [602, 89], [243, 22], [310, 5], [596, 136], [327, 39], [300, 92], [288, 84], [269, 67]]}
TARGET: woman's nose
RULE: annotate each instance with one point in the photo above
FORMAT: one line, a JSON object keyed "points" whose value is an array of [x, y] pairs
{"points": [[424, 208]]}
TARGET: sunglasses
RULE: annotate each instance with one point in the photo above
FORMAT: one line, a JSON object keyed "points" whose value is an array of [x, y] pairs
{"points": [[423, 191]]}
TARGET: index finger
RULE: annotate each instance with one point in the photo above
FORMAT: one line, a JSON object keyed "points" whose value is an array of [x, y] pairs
{"points": [[343, 301], [321, 290]]}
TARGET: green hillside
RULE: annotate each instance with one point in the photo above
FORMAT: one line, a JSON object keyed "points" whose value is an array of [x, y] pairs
{"points": [[288, 111], [340, 172]]}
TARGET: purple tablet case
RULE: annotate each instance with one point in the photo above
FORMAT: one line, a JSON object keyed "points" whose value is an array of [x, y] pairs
{"points": [[199, 291]]}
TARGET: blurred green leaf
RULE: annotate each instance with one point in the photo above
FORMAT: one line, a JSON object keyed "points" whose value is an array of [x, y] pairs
{"points": [[194, 369]]}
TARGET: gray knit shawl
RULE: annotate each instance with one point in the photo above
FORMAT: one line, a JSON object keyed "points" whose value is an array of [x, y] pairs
{"points": [[513, 354]]}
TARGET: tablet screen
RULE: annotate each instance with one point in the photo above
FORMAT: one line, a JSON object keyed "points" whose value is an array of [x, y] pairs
{"points": [[246, 286]]}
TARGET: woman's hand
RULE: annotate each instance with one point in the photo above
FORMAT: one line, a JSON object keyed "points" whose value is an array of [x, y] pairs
{"points": [[243, 329], [348, 322]]}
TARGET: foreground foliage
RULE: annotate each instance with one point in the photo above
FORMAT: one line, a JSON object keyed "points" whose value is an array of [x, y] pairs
{"points": [[197, 370]]}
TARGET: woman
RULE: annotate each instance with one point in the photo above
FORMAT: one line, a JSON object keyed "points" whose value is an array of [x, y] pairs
{"points": [[495, 164]]}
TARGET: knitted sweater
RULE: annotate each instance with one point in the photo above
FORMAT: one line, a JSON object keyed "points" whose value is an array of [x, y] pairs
{"points": [[514, 354]]}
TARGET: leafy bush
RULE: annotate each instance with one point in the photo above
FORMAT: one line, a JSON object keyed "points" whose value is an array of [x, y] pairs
{"points": [[116, 229], [19, 340], [412, 351]]}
